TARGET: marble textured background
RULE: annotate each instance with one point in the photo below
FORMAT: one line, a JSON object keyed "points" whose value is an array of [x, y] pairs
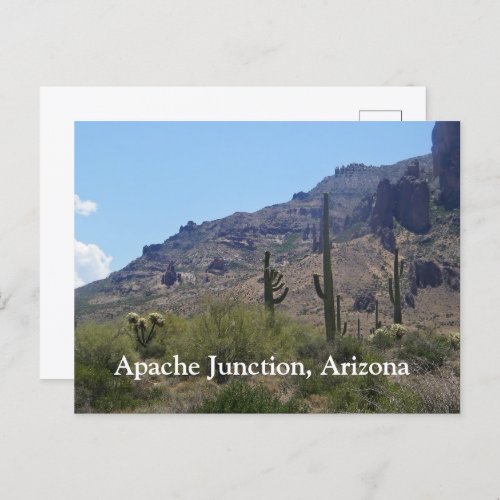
{"points": [[451, 47]]}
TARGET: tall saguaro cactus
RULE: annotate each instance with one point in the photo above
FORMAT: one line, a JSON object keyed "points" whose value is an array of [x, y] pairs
{"points": [[272, 283], [326, 294], [395, 288], [377, 322], [339, 322]]}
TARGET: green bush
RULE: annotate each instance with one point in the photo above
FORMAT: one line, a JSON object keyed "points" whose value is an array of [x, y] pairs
{"points": [[316, 384], [241, 397], [103, 345], [426, 350], [373, 394], [346, 347], [234, 332], [382, 340], [154, 349], [98, 390], [311, 344]]}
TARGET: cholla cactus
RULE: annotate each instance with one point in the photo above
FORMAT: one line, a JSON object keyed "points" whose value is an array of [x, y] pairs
{"points": [[396, 331], [140, 326]]}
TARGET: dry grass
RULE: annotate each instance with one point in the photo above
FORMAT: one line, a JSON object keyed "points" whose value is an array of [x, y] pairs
{"points": [[439, 391]]}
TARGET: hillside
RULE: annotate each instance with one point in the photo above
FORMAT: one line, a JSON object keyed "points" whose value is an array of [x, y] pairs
{"points": [[225, 257]]}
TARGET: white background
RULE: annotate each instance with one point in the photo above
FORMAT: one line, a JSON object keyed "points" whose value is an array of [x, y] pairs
{"points": [[451, 47]]}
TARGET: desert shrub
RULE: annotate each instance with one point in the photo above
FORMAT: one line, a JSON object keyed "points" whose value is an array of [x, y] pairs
{"points": [[316, 384], [426, 350], [382, 340], [98, 390], [438, 391], [346, 347], [98, 351], [358, 394], [241, 397], [396, 398], [103, 345], [373, 394], [154, 349], [234, 332], [311, 344]]}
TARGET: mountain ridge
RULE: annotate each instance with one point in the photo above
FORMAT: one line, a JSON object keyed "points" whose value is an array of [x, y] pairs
{"points": [[223, 256]]}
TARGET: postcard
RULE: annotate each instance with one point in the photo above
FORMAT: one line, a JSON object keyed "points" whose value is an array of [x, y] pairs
{"points": [[267, 267]]}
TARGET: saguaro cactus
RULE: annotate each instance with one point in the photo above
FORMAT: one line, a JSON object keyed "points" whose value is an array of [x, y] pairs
{"points": [[326, 294], [395, 288], [339, 323], [359, 330], [377, 322], [272, 283]]}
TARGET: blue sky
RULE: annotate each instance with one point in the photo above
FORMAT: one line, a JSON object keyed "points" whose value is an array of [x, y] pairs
{"points": [[148, 178]]}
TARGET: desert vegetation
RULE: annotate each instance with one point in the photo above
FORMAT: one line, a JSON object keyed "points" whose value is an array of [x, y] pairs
{"points": [[237, 332]]}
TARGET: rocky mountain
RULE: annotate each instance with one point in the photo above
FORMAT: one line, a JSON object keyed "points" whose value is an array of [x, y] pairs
{"points": [[446, 161], [372, 210]]}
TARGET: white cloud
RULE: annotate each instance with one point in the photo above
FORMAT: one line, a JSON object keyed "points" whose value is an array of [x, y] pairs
{"points": [[91, 263], [86, 207]]}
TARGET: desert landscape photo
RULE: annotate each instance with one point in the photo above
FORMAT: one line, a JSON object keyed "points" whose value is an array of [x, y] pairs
{"points": [[360, 262]]}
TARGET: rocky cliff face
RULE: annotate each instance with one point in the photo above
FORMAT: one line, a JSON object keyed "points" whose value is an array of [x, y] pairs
{"points": [[385, 204], [412, 197], [446, 160], [225, 255], [427, 273], [407, 201]]}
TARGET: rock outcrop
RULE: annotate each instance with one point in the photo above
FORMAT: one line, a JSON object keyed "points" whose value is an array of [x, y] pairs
{"points": [[410, 300], [300, 196], [388, 239], [446, 162], [364, 302], [451, 276], [149, 249], [383, 209], [315, 242], [189, 227], [217, 266], [170, 276], [361, 212], [427, 273], [407, 201], [412, 201]]}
